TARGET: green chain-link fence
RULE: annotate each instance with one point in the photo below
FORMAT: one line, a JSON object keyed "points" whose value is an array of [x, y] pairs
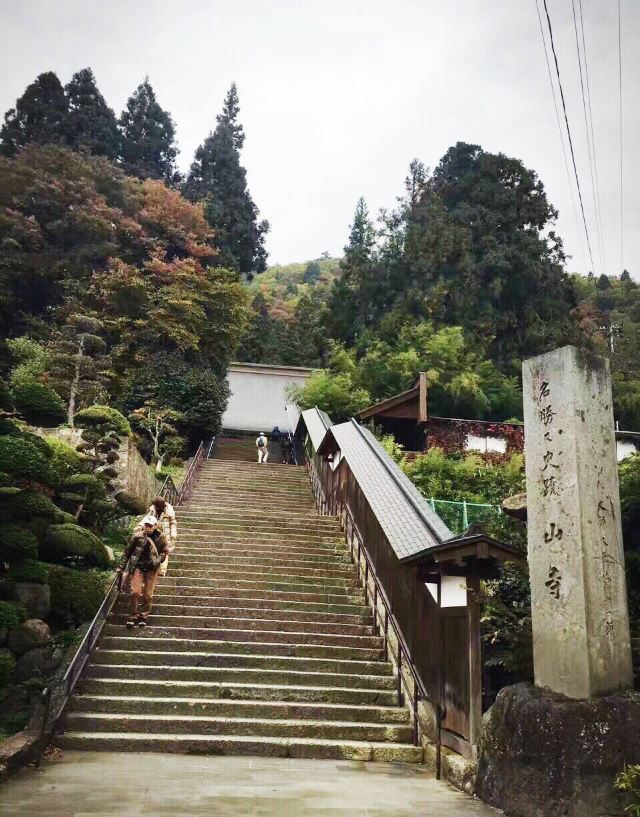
{"points": [[459, 515]]}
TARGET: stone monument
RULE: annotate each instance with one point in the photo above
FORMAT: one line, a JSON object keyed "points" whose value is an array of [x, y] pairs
{"points": [[581, 643]]}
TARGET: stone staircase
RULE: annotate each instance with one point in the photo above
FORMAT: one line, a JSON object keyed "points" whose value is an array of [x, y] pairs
{"points": [[237, 449], [259, 642]]}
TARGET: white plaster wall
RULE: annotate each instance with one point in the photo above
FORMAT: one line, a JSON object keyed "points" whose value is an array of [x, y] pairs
{"points": [[258, 398]]}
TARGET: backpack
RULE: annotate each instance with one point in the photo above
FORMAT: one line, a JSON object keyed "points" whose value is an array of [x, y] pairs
{"points": [[261, 442]]}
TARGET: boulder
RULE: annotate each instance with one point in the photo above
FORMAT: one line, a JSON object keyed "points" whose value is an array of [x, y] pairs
{"points": [[36, 598], [516, 506], [33, 633], [36, 663], [544, 754], [110, 553]]}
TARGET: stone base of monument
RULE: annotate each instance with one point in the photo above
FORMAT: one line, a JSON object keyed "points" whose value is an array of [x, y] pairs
{"points": [[543, 754]]}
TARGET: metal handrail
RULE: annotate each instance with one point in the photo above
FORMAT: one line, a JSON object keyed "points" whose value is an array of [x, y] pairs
{"points": [[386, 619], [189, 477], [79, 660], [169, 491], [211, 447]]}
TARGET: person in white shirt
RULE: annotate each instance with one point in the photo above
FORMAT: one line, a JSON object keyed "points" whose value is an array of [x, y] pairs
{"points": [[262, 444]]}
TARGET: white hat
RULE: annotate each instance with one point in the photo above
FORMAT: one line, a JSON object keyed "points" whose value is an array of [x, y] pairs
{"points": [[149, 520]]}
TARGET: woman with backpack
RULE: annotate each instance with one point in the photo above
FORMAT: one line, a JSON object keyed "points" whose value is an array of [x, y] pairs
{"points": [[146, 551]]}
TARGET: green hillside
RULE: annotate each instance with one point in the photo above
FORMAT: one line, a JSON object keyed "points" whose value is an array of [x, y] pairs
{"points": [[282, 285]]}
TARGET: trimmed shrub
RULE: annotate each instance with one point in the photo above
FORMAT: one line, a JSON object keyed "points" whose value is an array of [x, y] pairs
{"points": [[22, 457], [30, 571], [25, 504], [7, 666], [76, 594], [38, 404], [11, 614], [65, 460], [17, 544], [8, 426], [6, 403], [103, 415], [130, 503], [73, 542], [85, 483]]}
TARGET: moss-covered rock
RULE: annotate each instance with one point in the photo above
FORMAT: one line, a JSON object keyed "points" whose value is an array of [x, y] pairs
{"points": [[96, 416], [30, 634], [72, 542], [11, 614]]}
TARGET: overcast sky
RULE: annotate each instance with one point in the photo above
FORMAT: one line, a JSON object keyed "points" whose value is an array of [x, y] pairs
{"points": [[337, 96]]}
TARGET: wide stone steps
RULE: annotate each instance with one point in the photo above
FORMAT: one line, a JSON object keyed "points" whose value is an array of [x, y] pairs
{"points": [[212, 707], [148, 640], [242, 745], [259, 641], [212, 725]]}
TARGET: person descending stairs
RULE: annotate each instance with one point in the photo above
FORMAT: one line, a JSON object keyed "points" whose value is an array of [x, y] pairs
{"points": [[259, 643]]}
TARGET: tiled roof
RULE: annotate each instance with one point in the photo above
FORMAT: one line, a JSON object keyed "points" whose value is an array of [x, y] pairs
{"points": [[407, 519], [317, 422]]}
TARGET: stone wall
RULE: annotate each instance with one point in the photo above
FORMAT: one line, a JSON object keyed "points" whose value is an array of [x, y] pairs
{"points": [[134, 475], [544, 754]]}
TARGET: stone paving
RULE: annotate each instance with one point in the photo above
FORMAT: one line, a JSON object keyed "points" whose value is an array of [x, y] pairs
{"points": [[104, 784]]}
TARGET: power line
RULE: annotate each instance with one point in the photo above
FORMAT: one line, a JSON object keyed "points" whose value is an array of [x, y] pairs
{"points": [[564, 150], [590, 144], [566, 119], [620, 99]]}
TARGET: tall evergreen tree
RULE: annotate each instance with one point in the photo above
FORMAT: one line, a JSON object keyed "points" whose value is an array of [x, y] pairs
{"points": [[91, 123], [217, 177], [148, 148], [40, 116]]}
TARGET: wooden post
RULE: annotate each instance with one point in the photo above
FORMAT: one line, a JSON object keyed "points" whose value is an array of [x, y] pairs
{"points": [[475, 663]]}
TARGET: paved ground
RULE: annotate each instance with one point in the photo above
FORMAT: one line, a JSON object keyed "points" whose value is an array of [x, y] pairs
{"points": [[100, 784]]}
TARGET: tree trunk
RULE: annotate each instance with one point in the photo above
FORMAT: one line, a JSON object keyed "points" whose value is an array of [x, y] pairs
{"points": [[75, 383]]}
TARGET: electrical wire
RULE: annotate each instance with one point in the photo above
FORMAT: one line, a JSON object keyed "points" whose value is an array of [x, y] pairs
{"points": [[566, 119], [564, 150], [589, 131]]}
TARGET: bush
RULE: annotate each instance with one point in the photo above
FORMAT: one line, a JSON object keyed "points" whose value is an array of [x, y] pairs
{"points": [[25, 504], [65, 460], [7, 666], [38, 404], [130, 503], [17, 544], [85, 484], [23, 458], [73, 542], [30, 571], [11, 614], [76, 594], [103, 415]]}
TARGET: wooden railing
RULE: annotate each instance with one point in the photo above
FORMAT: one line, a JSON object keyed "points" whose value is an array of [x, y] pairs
{"points": [[331, 490]]}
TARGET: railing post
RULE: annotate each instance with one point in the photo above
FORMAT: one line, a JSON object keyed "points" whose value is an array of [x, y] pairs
{"points": [[400, 696], [465, 516], [376, 628], [366, 581], [416, 735], [386, 633]]}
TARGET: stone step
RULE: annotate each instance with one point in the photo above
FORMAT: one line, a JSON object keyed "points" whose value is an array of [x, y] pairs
{"points": [[302, 692], [270, 574], [181, 626], [312, 534], [241, 745], [318, 544], [245, 675], [166, 587], [214, 522], [208, 659], [216, 464], [162, 607], [161, 618], [119, 638], [309, 556], [212, 707], [285, 584], [262, 565], [208, 725]]}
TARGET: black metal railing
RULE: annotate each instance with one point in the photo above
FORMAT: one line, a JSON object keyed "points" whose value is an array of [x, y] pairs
{"points": [[169, 491], [384, 622], [79, 661], [211, 448]]}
